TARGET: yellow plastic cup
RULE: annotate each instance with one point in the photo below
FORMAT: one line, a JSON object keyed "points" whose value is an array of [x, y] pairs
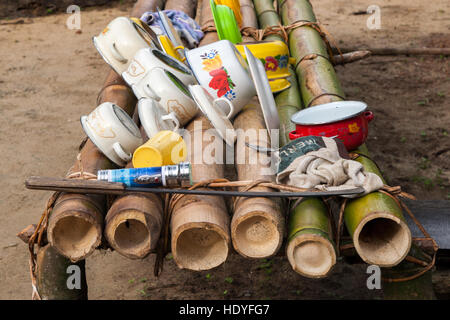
{"points": [[163, 149]]}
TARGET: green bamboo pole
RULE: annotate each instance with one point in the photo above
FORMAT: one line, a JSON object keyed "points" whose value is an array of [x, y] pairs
{"points": [[375, 221], [310, 248]]}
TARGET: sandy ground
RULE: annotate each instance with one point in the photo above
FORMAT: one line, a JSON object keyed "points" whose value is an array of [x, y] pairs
{"points": [[50, 76]]}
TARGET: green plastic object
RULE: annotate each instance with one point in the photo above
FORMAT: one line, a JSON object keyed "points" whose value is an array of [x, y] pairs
{"points": [[226, 24]]}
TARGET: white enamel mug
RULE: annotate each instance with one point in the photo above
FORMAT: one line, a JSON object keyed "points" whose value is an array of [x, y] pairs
{"points": [[154, 118], [119, 42], [113, 132], [149, 58], [220, 69], [173, 96]]}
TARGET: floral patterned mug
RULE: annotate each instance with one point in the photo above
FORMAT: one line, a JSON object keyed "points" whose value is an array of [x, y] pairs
{"points": [[221, 70]]}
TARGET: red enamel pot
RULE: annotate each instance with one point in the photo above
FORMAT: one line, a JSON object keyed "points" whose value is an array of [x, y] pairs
{"points": [[346, 120]]}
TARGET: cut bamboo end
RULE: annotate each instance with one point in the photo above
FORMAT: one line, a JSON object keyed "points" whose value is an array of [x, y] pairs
{"points": [[200, 246], [382, 239], [257, 230], [200, 233], [75, 230], [133, 225], [311, 255]]}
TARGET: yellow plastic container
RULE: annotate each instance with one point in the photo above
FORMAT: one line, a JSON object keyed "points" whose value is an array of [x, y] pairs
{"points": [[273, 54], [235, 6], [169, 48], [163, 149]]}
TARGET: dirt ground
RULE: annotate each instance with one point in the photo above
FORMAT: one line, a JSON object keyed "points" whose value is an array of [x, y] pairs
{"points": [[50, 76]]}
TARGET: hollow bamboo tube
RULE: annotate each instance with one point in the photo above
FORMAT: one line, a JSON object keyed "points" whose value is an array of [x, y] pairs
{"points": [[249, 18], [200, 224], [133, 224], [310, 248], [207, 21], [187, 6], [52, 276], [257, 227], [380, 214], [376, 224], [200, 235]]}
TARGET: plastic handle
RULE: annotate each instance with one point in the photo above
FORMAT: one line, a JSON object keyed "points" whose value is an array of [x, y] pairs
{"points": [[368, 115], [171, 116], [120, 152], [230, 104], [117, 55]]}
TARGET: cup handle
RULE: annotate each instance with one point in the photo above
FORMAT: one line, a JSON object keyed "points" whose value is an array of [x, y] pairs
{"points": [[172, 116], [368, 115], [149, 91], [230, 104], [117, 54], [121, 153], [182, 58]]}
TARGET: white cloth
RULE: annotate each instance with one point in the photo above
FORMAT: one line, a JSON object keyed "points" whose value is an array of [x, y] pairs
{"points": [[324, 169]]}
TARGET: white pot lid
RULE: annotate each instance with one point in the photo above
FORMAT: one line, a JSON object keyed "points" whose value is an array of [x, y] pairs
{"points": [[264, 92], [215, 115], [329, 112]]}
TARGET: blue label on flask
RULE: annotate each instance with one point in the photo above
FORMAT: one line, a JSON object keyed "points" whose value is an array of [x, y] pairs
{"points": [[138, 177]]}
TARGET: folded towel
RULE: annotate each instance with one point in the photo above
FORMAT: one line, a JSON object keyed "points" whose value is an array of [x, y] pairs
{"points": [[323, 163]]}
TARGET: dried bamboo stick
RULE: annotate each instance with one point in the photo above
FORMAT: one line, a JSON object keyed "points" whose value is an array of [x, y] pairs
{"points": [[134, 222], [257, 226], [199, 226]]}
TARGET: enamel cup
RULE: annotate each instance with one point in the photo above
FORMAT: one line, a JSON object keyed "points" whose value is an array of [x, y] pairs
{"points": [[146, 59], [113, 132], [220, 68], [163, 149], [154, 118], [173, 96], [119, 42]]}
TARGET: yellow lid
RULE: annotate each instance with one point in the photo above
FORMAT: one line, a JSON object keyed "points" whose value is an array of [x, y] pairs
{"points": [[147, 156]]}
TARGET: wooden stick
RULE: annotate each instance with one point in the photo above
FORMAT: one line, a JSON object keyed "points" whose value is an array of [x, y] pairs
{"points": [[350, 57], [400, 51]]}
